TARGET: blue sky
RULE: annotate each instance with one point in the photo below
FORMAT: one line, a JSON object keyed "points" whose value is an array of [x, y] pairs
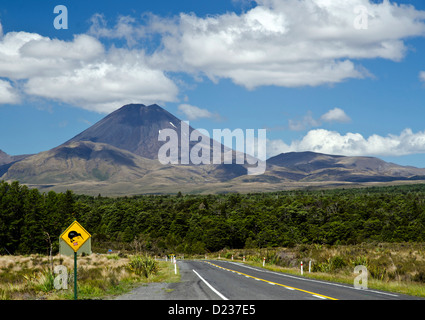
{"points": [[302, 70]]}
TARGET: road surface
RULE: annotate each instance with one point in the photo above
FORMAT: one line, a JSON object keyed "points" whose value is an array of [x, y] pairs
{"points": [[225, 280]]}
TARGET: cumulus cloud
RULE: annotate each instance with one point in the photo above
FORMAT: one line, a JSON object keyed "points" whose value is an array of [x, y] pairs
{"points": [[352, 144], [306, 122], [7, 93], [289, 43], [82, 72], [125, 28], [194, 113], [333, 115], [119, 78]]}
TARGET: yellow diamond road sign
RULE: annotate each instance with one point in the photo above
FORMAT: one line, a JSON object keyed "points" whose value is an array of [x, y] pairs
{"points": [[75, 236]]}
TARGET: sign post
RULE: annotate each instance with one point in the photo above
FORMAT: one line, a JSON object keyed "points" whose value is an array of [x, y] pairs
{"points": [[75, 236], [75, 275]]}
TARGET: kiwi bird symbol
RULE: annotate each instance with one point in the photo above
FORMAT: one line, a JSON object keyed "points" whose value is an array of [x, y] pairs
{"points": [[73, 234]]}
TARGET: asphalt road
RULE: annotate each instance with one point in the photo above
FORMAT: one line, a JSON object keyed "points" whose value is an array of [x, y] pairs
{"points": [[238, 281], [225, 280]]}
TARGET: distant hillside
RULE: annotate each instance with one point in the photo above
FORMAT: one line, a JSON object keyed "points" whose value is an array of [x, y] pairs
{"points": [[6, 161], [5, 158], [118, 156], [310, 166]]}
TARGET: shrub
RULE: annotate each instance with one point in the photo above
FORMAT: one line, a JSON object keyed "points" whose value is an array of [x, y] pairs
{"points": [[143, 266], [41, 281], [337, 262], [362, 260], [419, 277], [331, 264]]}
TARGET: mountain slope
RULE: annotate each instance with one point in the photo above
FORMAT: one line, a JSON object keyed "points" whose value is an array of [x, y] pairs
{"points": [[88, 163], [134, 128], [311, 166], [78, 161], [119, 156], [5, 158], [6, 161]]}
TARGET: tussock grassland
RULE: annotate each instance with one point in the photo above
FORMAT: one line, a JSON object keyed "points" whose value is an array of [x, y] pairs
{"points": [[395, 267], [99, 276]]}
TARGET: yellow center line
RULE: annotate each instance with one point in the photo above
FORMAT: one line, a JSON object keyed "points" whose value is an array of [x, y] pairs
{"points": [[275, 283]]}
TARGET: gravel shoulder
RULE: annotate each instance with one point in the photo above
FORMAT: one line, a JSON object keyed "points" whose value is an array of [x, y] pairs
{"points": [[150, 291], [190, 287]]}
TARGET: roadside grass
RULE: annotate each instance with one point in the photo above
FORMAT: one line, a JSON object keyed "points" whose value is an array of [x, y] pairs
{"points": [[393, 267], [99, 276]]}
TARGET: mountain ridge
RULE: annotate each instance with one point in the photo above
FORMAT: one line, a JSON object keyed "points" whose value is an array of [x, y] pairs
{"points": [[119, 155]]}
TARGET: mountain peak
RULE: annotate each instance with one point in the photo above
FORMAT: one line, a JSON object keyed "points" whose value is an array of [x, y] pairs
{"points": [[139, 106], [133, 127]]}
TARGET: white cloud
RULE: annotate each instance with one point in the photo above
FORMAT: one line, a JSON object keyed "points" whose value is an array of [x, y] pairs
{"points": [[289, 42], [353, 144], [194, 113], [120, 78], [335, 115], [307, 122], [125, 28], [81, 72], [7, 93], [83, 48]]}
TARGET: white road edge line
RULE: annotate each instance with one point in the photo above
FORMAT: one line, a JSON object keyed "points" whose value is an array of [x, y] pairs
{"points": [[211, 287]]}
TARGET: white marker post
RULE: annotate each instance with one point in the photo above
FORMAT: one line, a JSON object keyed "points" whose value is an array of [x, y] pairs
{"points": [[309, 266], [301, 268], [175, 266], [264, 261]]}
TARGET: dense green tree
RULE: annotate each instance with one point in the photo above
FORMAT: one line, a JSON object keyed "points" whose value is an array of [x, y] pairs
{"points": [[199, 223], [33, 232]]}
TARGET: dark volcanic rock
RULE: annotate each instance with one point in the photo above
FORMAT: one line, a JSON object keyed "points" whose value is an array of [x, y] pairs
{"points": [[133, 127]]}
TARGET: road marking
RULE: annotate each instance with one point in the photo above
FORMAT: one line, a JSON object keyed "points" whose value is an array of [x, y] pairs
{"points": [[275, 283], [211, 287], [314, 280]]}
